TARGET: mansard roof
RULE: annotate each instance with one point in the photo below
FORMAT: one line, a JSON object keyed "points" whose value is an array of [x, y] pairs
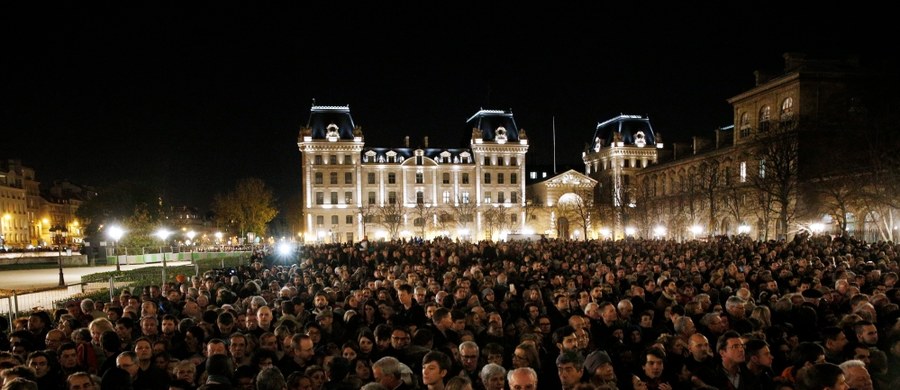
{"points": [[435, 154], [490, 121], [624, 128], [336, 117]]}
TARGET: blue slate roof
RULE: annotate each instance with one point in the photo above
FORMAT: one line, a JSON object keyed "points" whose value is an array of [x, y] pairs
{"points": [[488, 121], [627, 126], [320, 117]]}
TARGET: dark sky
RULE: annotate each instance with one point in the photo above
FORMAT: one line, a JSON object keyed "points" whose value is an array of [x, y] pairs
{"points": [[197, 96]]}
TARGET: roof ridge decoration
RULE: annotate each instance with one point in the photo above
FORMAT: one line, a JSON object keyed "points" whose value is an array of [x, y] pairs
{"points": [[330, 108]]}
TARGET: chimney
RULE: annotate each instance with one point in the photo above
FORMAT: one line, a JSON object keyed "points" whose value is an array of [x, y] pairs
{"points": [[426, 141], [406, 141]]}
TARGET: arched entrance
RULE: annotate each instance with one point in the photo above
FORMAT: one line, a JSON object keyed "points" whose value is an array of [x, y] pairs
{"points": [[562, 226]]}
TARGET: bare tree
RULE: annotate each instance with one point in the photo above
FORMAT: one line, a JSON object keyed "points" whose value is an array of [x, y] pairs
{"points": [[838, 196], [709, 183], [421, 214], [464, 212], [368, 214], [391, 217], [580, 209], [777, 153]]}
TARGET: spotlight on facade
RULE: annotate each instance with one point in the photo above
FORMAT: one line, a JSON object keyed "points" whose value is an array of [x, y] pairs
{"points": [[697, 230], [743, 229], [381, 234], [817, 227], [659, 231], [630, 231], [463, 232], [528, 231]]}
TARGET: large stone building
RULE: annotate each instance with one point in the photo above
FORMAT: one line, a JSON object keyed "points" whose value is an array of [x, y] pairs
{"points": [[776, 171], [351, 190], [28, 216]]}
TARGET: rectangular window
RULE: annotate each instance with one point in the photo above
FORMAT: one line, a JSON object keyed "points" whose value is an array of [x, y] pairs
{"points": [[349, 236], [533, 175], [487, 178], [445, 178], [420, 160], [513, 218], [334, 197], [501, 198], [465, 197], [348, 177], [500, 178], [446, 197], [743, 171], [762, 169], [371, 177], [348, 159], [348, 197], [334, 219], [392, 197], [514, 197], [371, 197], [420, 178], [332, 178], [465, 178], [348, 220], [513, 178], [392, 178], [320, 198], [332, 159], [487, 197], [319, 178], [320, 220], [514, 161], [420, 197], [487, 161], [318, 159]]}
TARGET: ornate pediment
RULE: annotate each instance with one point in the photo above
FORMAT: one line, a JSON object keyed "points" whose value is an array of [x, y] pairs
{"points": [[571, 178]]}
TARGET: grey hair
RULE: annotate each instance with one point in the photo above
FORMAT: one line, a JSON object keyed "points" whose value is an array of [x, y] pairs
{"points": [[270, 378], [389, 366], [733, 301], [491, 369], [469, 344], [852, 363], [258, 301], [530, 371], [681, 323]]}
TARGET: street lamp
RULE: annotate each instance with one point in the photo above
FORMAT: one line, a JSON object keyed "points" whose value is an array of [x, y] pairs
{"points": [[163, 234], [59, 237], [116, 233]]}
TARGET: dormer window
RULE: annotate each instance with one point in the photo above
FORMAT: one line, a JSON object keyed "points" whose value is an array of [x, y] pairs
{"points": [[639, 139], [332, 133], [500, 138], [597, 145]]}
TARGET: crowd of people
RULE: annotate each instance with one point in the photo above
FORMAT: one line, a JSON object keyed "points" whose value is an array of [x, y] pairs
{"points": [[726, 313]]}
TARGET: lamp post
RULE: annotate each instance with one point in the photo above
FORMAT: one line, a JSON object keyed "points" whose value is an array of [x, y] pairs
{"points": [[163, 234], [116, 233], [59, 236]]}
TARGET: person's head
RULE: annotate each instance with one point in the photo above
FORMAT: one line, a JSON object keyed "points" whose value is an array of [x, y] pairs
{"points": [[565, 338], [459, 383], [807, 354], [866, 333], [823, 376], [524, 378], [400, 338], [270, 379], [54, 339], [570, 368], [834, 339], [67, 354], [20, 384], [216, 347], [526, 355], [128, 361], [435, 366], [757, 352], [599, 365], [39, 361], [386, 371], [303, 347], [731, 348], [143, 348], [493, 376], [698, 345], [857, 375], [468, 355], [80, 381], [184, 370], [652, 362]]}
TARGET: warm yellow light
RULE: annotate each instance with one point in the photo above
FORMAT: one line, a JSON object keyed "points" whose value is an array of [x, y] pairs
{"points": [[46, 221]]}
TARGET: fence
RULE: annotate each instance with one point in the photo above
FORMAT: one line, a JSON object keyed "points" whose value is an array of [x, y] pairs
{"points": [[102, 285]]}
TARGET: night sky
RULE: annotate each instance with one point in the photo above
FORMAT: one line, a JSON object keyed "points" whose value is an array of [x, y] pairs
{"points": [[196, 98]]}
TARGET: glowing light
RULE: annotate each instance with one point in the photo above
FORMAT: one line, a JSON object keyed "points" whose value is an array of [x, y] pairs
{"points": [[381, 234], [743, 229], [504, 234], [630, 231], [191, 234], [659, 231], [463, 232], [605, 232], [817, 227], [321, 234], [163, 234], [285, 249], [697, 229], [115, 232], [218, 236], [528, 231], [405, 233]]}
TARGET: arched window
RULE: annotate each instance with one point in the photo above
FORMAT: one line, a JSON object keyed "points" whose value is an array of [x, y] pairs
{"points": [[787, 108], [764, 114], [745, 125]]}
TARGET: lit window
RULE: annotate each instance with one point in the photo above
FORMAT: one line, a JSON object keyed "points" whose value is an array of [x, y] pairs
{"points": [[787, 108], [465, 197], [743, 171], [446, 197]]}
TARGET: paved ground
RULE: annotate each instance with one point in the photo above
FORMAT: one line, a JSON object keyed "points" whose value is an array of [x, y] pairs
{"points": [[31, 279]]}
